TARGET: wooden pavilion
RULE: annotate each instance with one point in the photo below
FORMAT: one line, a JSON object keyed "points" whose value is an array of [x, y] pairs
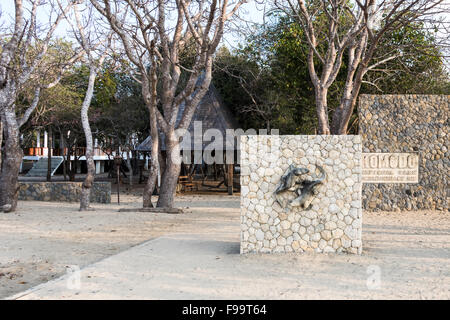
{"points": [[211, 113]]}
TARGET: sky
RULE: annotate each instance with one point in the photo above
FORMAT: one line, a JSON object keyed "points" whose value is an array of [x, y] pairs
{"points": [[251, 11]]}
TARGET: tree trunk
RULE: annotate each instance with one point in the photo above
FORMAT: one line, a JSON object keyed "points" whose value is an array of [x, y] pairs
{"points": [[169, 179], [72, 166], [153, 175], [350, 105], [161, 162], [72, 169], [322, 110], [340, 121], [343, 113], [62, 148], [1, 141], [9, 188], [64, 167], [338, 125], [150, 94], [89, 180], [161, 159], [135, 162], [49, 154]]}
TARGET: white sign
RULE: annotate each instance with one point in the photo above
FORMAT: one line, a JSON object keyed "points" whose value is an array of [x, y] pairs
{"points": [[390, 168]]}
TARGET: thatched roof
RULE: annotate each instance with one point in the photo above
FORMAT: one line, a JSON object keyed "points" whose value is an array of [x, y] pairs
{"points": [[212, 113]]}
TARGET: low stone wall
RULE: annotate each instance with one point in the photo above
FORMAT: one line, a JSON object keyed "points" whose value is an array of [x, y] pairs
{"points": [[332, 223], [411, 124], [63, 191]]}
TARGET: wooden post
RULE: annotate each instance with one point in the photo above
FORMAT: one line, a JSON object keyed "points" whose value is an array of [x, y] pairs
{"points": [[49, 153], [117, 163], [118, 184], [230, 178]]}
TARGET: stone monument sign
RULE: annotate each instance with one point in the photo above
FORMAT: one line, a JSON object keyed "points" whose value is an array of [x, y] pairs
{"points": [[406, 163], [390, 168], [301, 193]]}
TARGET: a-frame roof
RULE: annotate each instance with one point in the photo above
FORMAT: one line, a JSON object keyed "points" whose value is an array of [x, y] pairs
{"points": [[211, 112]]}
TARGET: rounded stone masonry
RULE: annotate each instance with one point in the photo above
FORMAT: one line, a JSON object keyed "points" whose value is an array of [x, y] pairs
{"points": [[331, 218], [408, 123], [63, 191]]}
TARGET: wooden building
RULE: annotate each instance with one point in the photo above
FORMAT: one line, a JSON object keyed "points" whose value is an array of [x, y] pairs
{"points": [[213, 118]]}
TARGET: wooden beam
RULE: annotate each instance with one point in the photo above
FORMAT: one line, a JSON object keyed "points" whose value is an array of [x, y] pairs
{"points": [[230, 178]]}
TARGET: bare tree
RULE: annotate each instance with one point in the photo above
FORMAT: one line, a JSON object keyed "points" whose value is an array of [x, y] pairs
{"points": [[161, 30], [94, 42], [353, 29], [22, 54], [139, 45]]}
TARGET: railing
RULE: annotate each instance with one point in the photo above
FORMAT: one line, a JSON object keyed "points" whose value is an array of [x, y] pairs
{"points": [[79, 151], [35, 151]]}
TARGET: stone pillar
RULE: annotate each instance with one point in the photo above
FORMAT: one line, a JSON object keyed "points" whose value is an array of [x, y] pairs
{"points": [[415, 126], [38, 139], [302, 196], [97, 167], [45, 151], [45, 139], [159, 177]]}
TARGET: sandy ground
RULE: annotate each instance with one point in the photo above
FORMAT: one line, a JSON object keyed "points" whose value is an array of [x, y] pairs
{"points": [[41, 239], [196, 255]]}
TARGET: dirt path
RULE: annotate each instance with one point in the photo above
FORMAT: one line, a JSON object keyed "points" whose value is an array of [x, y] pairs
{"points": [[411, 250], [39, 241]]}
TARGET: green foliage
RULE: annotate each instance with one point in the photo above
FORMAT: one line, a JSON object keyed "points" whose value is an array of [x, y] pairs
{"points": [[227, 70], [277, 53], [272, 64], [420, 70], [265, 83], [117, 113], [119, 116]]}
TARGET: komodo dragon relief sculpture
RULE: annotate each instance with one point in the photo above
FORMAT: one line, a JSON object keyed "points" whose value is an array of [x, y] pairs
{"points": [[304, 189]]}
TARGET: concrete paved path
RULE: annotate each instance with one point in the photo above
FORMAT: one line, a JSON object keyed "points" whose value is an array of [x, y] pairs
{"points": [[207, 265]]}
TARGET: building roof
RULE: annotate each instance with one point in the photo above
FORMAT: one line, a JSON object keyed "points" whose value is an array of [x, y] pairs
{"points": [[211, 113]]}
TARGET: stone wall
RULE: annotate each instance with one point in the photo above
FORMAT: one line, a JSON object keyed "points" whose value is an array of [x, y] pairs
{"points": [[63, 191], [408, 123], [332, 224]]}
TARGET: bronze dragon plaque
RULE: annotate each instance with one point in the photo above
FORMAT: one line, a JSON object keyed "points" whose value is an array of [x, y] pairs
{"points": [[303, 189]]}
